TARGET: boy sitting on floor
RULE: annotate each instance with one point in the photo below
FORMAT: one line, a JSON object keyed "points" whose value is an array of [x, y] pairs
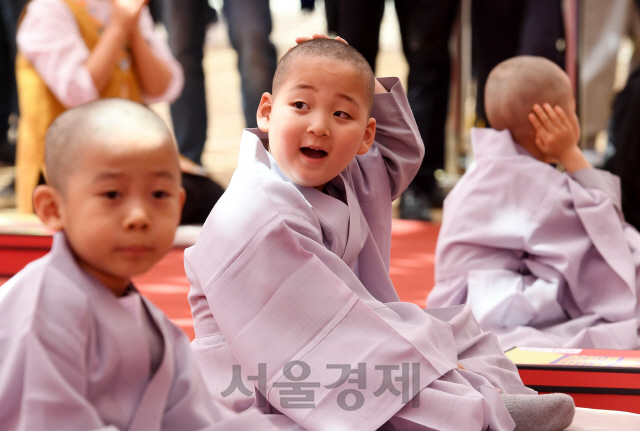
{"points": [[290, 287], [80, 348], [543, 258]]}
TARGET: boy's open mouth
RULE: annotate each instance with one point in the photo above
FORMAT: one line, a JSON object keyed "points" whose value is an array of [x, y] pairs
{"points": [[314, 154]]}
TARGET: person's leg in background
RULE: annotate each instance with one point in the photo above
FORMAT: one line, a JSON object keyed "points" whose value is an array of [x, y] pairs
{"points": [[9, 12], [496, 28], [425, 27], [358, 22], [506, 28], [7, 75], [250, 25], [186, 22], [542, 31]]}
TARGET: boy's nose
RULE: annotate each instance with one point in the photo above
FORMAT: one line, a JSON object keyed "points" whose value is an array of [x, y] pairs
{"points": [[137, 217], [319, 126]]}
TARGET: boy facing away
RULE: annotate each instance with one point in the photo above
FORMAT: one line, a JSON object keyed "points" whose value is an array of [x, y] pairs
{"points": [[293, 307], [80, 348], [543, 258]]}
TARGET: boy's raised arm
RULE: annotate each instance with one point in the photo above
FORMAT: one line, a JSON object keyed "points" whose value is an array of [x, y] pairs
{"points": [[397, 140], [557, 136]]}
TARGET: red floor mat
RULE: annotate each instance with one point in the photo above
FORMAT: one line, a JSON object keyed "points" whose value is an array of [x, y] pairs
{"points": [[412, 265]]}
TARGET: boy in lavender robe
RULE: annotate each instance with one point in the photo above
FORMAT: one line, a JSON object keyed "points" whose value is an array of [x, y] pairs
{"points": [[80, 348], [293, 307], [544, 258]]}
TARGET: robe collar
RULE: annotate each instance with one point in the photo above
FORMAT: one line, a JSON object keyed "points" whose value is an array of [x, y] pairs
{"points": [[133, 350], [491, 143], [344, 231]]}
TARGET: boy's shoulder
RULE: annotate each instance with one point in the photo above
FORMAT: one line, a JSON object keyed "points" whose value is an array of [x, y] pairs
{"points": [[45, 300]]}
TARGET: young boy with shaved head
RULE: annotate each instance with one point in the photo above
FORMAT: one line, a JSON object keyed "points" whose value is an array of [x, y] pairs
{"points": [[293, 307], [544, 258], [81, 349]]}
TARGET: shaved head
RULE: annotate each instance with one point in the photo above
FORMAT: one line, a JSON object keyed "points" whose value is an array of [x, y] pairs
{"points": [[107, 122], [330, 49], [515, 85]]}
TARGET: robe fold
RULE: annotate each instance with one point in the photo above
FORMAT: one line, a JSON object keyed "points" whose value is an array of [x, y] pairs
{"points": [[292, 284], [75, 357], [543, 258]]}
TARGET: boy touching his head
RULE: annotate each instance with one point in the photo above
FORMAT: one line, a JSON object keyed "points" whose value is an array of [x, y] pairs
{"points": [[81, 348], [544, 258], [290, 275]]}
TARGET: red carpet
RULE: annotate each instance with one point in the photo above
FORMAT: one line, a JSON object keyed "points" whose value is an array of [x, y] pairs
{"points": [[412, 264]]}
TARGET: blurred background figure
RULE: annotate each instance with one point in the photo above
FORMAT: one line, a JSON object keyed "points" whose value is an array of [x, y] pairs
{"points": [[622, 155], [425, 27], [502, 29], [74, 51], [605, 26], [249, 25], [506, 28], [9, 13]]}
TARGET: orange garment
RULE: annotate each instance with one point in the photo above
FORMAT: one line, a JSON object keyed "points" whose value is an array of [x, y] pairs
{"points": [[39, 106]]}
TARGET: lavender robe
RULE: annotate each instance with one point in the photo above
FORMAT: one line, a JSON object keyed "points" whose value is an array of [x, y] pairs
{"points": [[543, 258], [72, 357], [292, 274]]}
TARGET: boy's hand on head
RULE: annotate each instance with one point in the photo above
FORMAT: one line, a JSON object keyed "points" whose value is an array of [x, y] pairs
{"points": [[379, 87], [557, 136], [125, 13]]}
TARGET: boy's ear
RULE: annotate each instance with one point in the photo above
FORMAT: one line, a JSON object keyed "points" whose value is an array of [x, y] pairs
{"points": [[264, 111], [369, 135], [47, 205]]}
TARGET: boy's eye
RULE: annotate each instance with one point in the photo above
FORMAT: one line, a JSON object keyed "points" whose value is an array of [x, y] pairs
{"points": [[160, 194], [111, 194], [300, 105], [341, 114]]}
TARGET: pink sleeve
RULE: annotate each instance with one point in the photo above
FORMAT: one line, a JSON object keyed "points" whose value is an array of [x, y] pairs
{"points": [[50, 39]]}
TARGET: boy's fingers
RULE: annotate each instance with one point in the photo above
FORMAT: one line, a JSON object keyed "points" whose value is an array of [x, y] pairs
{"points": [[562, 117], [543, 116], [533, 119], [552, 114], [301, 39]]}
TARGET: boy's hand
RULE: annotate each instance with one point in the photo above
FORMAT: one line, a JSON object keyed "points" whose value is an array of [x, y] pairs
{"points": [[557, 136], [125, 14], [301, 39]]}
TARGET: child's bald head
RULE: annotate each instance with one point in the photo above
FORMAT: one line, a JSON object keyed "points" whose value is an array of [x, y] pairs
{"points": [[105, 122], [333, 50], [515, 85]]}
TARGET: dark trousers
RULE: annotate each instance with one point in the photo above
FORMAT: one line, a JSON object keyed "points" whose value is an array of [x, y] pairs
{"points": [[506, 28], [249, 23], [425, 26], [9, 13]]}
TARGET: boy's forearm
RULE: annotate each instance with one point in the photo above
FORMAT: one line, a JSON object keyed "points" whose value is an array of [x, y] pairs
{"points": [[574, 160], [155, 75], [102, 59]]}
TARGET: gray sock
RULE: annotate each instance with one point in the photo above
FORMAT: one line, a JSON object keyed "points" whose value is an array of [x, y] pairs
{"points": [[552, 412]]}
